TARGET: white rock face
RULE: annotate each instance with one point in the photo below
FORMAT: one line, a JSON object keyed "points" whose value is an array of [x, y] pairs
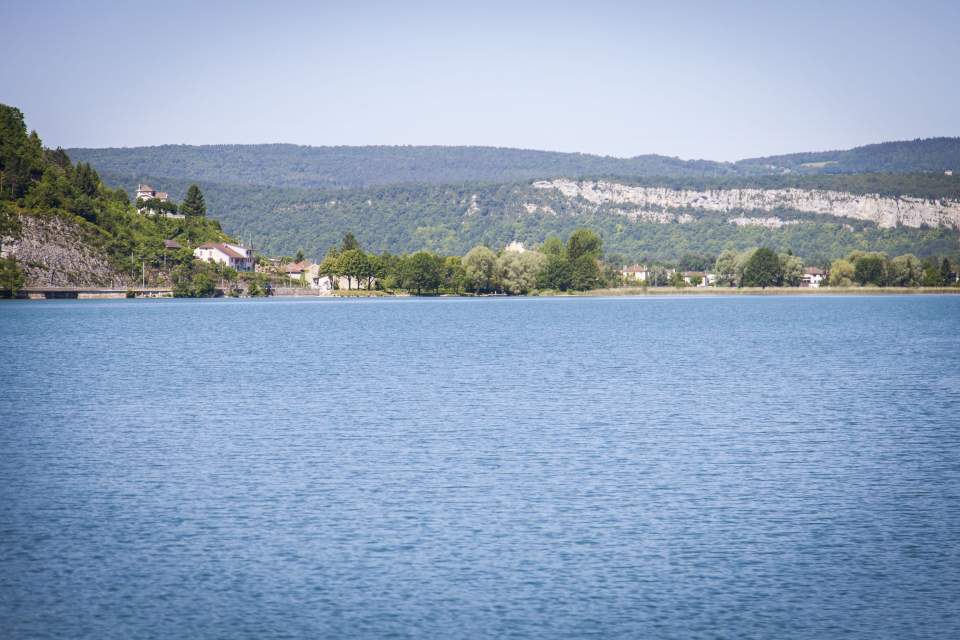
{"points": [[473, 208], [663, 217], [884, 211], [772, 222], [536, 208]]}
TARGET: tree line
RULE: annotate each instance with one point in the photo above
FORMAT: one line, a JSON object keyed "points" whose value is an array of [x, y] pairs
{"points": [[555, 265], [876, 269], [286, 165], [578, 264], [762, 267]]}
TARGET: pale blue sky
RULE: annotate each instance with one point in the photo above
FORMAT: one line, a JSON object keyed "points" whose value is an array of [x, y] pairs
{"points": [[693, 79]]}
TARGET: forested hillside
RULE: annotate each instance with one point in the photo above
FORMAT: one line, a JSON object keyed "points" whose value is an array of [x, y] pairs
{"points": [[907, 156], [61, 225], [450, 219], [284, 198], [286, 165]]}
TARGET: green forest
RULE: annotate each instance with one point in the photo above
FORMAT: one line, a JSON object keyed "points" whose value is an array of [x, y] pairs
{"points": [[906, 156], [406, 218], [285, 198], [286, 165]]}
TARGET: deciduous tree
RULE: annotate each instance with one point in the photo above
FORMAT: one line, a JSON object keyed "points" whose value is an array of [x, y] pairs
{"points": [[479, 265], [583, 242], [762, 270], [517, 272], [841, 273], [870, 268]]}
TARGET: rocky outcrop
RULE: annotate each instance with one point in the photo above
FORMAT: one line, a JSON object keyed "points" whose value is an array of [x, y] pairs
{"points": [[882, 210], [55, 252], [771, 222]]}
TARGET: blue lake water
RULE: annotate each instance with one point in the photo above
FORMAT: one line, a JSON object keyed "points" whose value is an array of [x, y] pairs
{"points": [[768, 467]]}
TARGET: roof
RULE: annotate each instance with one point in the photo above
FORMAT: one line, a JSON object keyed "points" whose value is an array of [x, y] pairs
{"points": [[172, 244], [298, 267], [144, 187], [634, 269], [813, 271], [690, 274]]}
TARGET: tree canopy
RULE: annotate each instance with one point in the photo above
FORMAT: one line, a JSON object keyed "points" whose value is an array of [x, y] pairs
{"points": [[763, 269]]}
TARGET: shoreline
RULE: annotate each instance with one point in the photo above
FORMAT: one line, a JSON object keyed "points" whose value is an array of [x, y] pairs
{"points": [[92, 294], [769, 291]]}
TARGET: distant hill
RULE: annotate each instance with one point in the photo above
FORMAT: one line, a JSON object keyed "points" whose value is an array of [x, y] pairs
{"points": [[450, 219], [446, 199], [908, 156], [286, 165]]}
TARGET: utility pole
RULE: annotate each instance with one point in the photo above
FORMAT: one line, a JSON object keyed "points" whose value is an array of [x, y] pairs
{"points": [[143, 274]]}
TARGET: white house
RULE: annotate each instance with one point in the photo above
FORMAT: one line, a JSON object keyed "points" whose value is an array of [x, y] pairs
{"points": [[515, 247], [233, 255], [812, 277], [636, 272]]}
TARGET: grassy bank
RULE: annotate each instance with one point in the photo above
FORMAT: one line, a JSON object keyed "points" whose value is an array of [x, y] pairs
{"points": [[769, 291]]}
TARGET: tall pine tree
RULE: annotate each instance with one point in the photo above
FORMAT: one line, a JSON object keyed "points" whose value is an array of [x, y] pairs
{"points": [[193, 204]]}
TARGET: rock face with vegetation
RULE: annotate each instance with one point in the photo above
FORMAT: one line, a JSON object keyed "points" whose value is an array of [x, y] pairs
{"points": [[286, 198], [53, 251], [884, 211]]}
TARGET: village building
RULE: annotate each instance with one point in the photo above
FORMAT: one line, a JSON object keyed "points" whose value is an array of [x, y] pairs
{"points": [[305, 272], [702, 278], [812, 277], [636, 272], [146, 192], [515, 247], [308, 273], [342, 283], [172, 245], [233, 255]]}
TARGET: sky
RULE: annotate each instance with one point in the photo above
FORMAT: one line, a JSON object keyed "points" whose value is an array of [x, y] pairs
{"points": [[715, 80]]}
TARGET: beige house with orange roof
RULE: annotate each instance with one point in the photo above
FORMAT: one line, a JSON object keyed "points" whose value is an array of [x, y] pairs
{"points": [[636, 272]]}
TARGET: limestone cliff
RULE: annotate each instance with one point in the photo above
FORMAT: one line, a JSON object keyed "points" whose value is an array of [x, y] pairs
{"points": [[881, 210]]}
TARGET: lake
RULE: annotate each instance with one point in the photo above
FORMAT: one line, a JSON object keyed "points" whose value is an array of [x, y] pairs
{"points": [[700, 467]]}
